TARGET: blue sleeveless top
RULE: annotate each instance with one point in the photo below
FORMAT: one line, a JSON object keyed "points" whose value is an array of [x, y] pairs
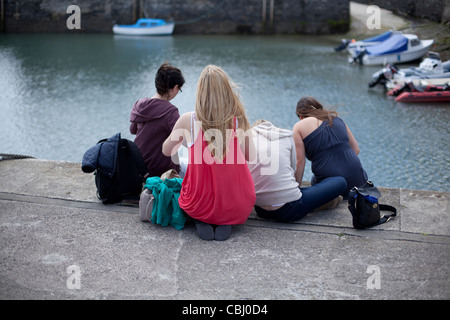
{"points": [[331, 155]]}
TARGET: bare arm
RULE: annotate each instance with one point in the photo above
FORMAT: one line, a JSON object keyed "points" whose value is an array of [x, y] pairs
{"points": [[300, 153], [179, 135], [293, 156], [352, 141]]}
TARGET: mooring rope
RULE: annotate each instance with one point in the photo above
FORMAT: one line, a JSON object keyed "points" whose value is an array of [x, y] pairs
{"points": [[9, 156]]}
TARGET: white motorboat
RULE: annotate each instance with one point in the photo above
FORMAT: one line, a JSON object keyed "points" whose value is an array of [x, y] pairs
{"points": [[431, 68], [398, 48], [146, 27]]}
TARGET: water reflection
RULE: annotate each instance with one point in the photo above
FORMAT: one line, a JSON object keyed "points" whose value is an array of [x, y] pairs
{"points": [[60, 94]]}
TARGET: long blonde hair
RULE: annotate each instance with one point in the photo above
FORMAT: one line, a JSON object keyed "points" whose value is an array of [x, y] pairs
{"points": [[216, 106]]}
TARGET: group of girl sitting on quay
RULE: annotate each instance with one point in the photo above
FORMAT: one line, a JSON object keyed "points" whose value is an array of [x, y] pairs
{"points": [[234, 167]]}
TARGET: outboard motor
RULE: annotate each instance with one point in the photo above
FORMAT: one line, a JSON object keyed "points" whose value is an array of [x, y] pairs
{"points": [[379, 78], [383, 76], [343, 46], [407, 87], [358, 57]]}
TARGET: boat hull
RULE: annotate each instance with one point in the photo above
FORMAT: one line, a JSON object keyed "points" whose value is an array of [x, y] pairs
{"points": [[433, 96], [163, 30], [400, 57]]}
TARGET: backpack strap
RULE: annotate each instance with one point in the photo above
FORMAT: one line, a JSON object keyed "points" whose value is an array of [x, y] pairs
{"points": [[386, 218]]}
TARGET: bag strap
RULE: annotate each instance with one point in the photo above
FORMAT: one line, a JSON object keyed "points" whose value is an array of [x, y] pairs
{"points": [[386, 218]]}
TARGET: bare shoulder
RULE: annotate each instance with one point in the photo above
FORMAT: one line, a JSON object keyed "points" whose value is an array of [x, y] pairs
{"points": [[306, 126], [184, 122], [296, 126]]}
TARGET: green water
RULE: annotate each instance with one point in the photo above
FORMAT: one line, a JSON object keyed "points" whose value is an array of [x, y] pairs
{"points": [[62, 93]]}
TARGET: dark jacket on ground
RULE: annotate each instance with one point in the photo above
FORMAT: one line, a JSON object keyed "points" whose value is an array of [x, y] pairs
{"points": [[152, 121], [102, 156]]}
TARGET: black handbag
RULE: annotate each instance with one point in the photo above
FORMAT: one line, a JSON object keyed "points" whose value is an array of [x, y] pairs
{"points": [[365, 209]]}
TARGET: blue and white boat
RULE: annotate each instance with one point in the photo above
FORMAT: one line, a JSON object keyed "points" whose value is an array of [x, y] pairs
{"points": [[399, 48], [146, 27], [352, 44]]}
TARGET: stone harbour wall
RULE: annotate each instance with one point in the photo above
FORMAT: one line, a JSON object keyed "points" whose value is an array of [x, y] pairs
{"points": [[190, 16]]}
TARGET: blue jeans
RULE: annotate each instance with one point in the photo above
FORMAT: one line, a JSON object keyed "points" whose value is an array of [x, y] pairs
{"points": [[312, 198]]}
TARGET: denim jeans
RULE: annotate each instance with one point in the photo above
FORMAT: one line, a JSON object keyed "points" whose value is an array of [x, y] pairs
{"points": [[312, 198]]}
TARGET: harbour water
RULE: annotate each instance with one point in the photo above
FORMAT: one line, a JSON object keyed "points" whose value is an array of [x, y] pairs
{"points": [[60, 94]]}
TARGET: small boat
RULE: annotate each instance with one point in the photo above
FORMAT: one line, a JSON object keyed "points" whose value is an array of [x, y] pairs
{"points": [[430, 68], [395, 83], [398, 48], [411, 87], [146, 27], [353, 44], [424, 93], [430, 96]]}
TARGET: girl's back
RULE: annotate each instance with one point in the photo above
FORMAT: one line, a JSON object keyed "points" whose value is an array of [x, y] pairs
{"points": [[330, 153], [216, 191]]}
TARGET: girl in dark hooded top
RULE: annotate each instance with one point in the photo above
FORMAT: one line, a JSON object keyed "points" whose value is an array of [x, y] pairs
{"points": [[152, 120]]}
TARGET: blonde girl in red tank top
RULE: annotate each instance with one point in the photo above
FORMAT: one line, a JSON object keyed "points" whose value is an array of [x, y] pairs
{"points": [[218, 189]]}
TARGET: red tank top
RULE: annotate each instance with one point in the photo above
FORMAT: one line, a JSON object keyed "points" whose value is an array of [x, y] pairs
{"points": [[221, 193]]}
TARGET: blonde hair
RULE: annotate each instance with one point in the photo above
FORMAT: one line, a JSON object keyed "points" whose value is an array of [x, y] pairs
{"points": [[258, 122], [216, 106]]}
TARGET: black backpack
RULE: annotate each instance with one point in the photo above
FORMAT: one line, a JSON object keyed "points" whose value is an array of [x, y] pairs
{"points": [[365, 209], [119, 169]]}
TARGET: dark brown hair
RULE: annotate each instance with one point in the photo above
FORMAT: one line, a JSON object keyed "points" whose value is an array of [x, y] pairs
{"points": [[310, 107], [167, 78]]}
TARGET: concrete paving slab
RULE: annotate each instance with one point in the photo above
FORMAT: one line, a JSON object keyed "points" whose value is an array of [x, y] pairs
{"points": [[53, 179], [120, 257], [53, 232], [425, 212]]}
